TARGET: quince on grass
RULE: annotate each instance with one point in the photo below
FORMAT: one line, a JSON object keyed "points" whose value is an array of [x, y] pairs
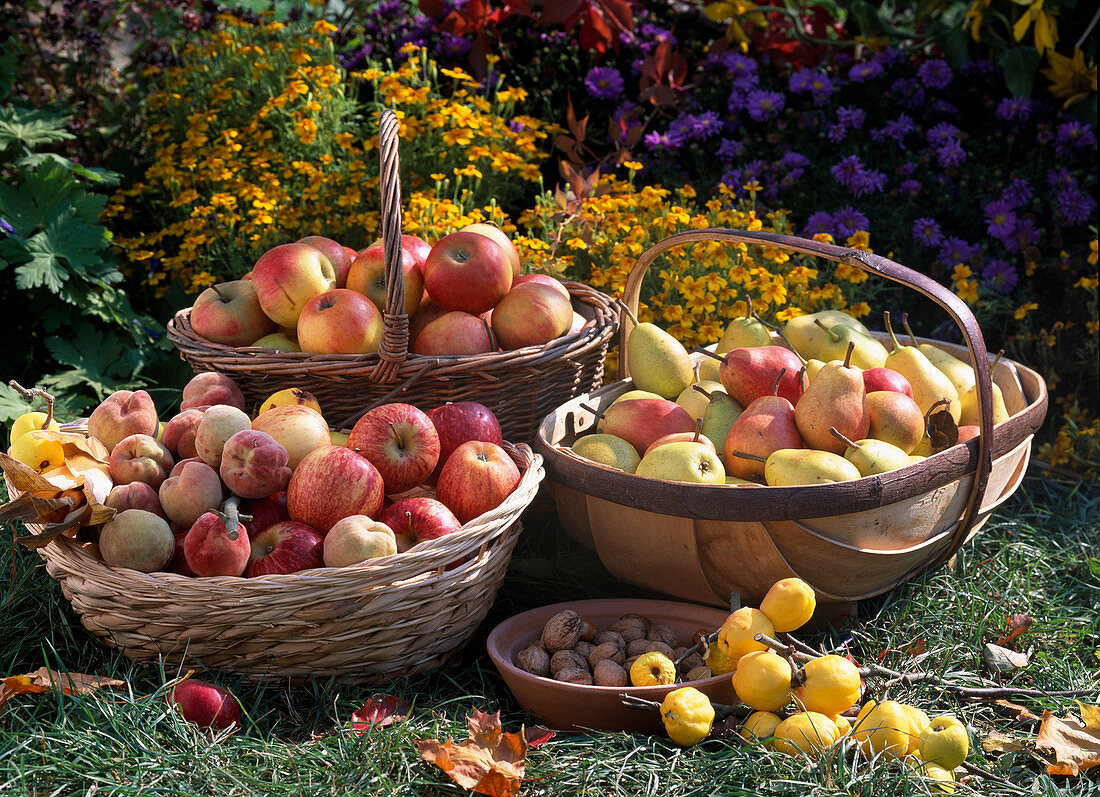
{"points": [[807, 732], [944, 742], [687, 715]]}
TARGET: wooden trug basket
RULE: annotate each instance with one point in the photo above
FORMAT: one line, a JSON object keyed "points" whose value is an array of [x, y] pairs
{"points": [[520, 386], [849, 540], [388, 617]]}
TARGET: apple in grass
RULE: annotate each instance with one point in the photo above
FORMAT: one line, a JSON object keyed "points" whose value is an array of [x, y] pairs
{"points": [[356, 539], [501, 239], [531, 314], [368, 277], [419, 518], [190, 492], [205, 704], [458, 422], [209, 388], [285, 547], [339, 256], [298, 427], [121, 414], [229, 313], [217, 544], [254, 464], [476, 478], [287, 277], [467, 271], [455, 333], [140, 458], [400, 440], [340, 321], [333, 482]]}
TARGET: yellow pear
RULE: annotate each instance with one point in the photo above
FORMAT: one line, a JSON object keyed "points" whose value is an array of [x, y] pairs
{"points": [[608, 449], [696, 397], [929, 383], [792, 466], [969, 413], [657, 361]]}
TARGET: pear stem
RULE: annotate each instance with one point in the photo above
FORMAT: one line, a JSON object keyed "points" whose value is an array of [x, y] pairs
{"points": [[778, 379], [790, 345], [221, 296], [743, 455], [839, 435], [748, 305], [848, 354], [908, 331], [997, 359], [698, 430], [890, 329], [835, 335], [629, 313], [708, 352], [702, 390]]}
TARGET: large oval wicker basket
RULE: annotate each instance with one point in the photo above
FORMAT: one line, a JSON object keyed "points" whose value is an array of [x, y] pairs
{"points": [[850, 540], [388, 617], [520, 386]]}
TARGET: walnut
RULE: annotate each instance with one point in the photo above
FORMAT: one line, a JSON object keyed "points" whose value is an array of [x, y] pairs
{"points": [[609, 636], [659, 632], [630, 661], [636, 647], [608, 673], [588, 631], [567, 659], [535, 660], [661, 647], [572, 675], [699, 673], [583, 648], [608, 651], [631, 626], [562, 631], [691, 662]]}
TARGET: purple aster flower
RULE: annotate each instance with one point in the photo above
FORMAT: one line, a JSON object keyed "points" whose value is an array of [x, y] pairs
{"points": [[944, 108], [738, 100], [729, 149], [814, 81], [1074, 207], [754, 170], [836, 133], [849, 220], [661, 141], [793, 160], [689, 127], [891, 57], [942, 133], [1014, 109], [956, 250], [733, 180], [999, 275], [851, 117], [935, 73], [907, 169], [738, 64], [453, 46], [910, 90], [849, 172], [764, 105], [910, 187], [1061, 178], [1017, 193], [1000, 219], [1074, 135], [747, 82], [927, 232], [822, 221], [899, 128], [950, 153], [865, 70], [1027, 234], [604, 82]]}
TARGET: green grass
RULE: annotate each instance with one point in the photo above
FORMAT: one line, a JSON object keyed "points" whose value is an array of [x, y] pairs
{"points": [[1038, 555]]}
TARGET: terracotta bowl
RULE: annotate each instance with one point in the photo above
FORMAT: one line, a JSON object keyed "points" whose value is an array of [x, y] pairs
{"points": [[571, 707]]}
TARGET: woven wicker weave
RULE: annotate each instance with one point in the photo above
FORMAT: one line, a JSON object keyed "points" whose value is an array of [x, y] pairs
{"points": [[392, 616], [520, 386]]}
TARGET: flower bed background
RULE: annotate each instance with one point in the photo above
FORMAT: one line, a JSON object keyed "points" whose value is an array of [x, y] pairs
{"points": [[147, 152]]}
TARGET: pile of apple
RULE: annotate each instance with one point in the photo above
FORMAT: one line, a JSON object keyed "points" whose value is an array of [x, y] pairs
{"points": [[213, 492], [465, 295], [820, 400]]}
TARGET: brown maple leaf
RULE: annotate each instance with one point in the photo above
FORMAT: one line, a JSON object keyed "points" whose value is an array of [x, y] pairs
{"points": [[44, 680], [1071, 744], [491, 761], [380, 711]]}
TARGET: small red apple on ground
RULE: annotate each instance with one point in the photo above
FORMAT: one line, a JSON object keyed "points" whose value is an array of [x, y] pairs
{"points": [[205, 704], [285, 547], [400, 440], [476, 478]]}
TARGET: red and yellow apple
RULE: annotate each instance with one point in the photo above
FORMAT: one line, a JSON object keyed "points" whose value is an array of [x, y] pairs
{"points": [[531, 314], [368, 277], [467, 271], [287, 277], [340, 256], [419, 518], [458, 422], [340, 321], [333, 482], [455, 333], [400, 440], [501, 239], [229, 313], [476, 478], [285, 547]]}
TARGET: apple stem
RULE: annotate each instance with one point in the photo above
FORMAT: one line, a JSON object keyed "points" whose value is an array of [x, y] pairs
{"points": [[839, 435], [848, 354], [778, 378], [743, 455], [890, 329], [489, 331], [835, 335], [593, 410], [908, 331], [30, 393], [708, 352]]}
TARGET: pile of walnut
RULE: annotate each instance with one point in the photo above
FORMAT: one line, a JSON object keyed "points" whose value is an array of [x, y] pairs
{"points": [[572, 650]]}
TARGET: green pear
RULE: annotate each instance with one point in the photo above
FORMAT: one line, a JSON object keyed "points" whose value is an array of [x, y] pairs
{"points": [[959, 373], [740, 333], [872, 456], [813, 365], [683, 461], [895, 418], [805, 335], [868, 352], [607, 449], [695, 397], [969, 414], [793, 466], [835, 397], [637, 394], [739, 480], [657, 361], [721, 413], [929, 383]]}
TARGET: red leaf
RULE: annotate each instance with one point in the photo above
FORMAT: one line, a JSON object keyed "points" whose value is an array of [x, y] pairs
{"points": [[596, 34], [489, 762], [380, 711], [1017, 624], [538, 736], [917, 648], [562, 12]]}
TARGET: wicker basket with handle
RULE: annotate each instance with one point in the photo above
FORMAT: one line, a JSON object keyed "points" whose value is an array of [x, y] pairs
{"points": [[387, 617], [520, 386], [849, 540]]}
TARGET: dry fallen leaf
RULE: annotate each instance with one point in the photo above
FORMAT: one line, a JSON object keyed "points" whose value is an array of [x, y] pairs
{"points": [[1090, 715], [490, 761], [997, 742], [999, 659], [1017, 624], [1022, 712], [380, 711], [44, 679], [1073, 746]]}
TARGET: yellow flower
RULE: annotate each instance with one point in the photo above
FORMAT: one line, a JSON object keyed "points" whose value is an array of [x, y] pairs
{"points": [[974, 18], [823, 238], [961, 272], [632, 165], [859, 309], [1046, 28], [967, 290], [1088, 283], [1070, 79], [752, 186], [1024, 309], [1092, 252], [323, 28]]}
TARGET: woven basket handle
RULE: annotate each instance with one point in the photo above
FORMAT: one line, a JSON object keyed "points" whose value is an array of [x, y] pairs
{"points": [[394, 346], [875, 264]]}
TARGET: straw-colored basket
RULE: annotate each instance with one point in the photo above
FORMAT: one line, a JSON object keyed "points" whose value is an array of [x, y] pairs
{"points": [[388, 617], [520, 386], [849, 540]]}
